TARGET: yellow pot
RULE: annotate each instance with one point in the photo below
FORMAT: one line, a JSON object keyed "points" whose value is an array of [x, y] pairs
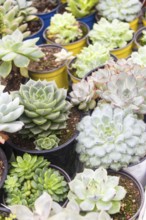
{"points": [[74, 47], [59, 75], [63, 1], [134, 24], [123, 52]]}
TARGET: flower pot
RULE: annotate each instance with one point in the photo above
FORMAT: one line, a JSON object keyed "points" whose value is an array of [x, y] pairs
{"points": [[58, 74], [138, 35], [143, 16], [46, 17], [39, 33], [137, 186], [138, 171], [71, 72], [74, 47], [5, 169], [63, 156], [89, 19], [123, 52]]}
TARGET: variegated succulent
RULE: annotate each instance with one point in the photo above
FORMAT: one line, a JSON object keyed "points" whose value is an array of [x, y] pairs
{"points": [[116, 138], [45, 107], [84, 95], [139, 57], [96, 191]]}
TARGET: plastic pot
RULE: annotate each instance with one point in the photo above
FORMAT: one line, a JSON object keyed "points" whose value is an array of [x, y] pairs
{"points": [[89, 19], [58, 74], [4, 160], [138, 35], [76, 46], [137, 184], [39, 33], [71, 72]]}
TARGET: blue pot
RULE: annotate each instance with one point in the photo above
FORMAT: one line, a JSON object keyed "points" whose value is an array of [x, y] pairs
{"points": [[89, 19], [38, 34]]}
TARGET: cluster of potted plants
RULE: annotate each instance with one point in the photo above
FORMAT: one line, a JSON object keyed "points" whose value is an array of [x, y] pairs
{"points": [[72, 110]]}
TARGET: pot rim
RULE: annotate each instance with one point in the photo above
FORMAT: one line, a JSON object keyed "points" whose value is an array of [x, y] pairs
{"points": [[137, 35], [49, 71], [41, 28], [44, 13], [139, 186], [83, 38]]}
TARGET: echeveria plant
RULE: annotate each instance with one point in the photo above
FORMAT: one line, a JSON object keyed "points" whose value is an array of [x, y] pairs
{"points": [[29, 177], [112, 35], [81, 8], [115, 138], [90, 57], [96, 191], [16, 53], [139, 57], [124, 10], [46, 209], [46, 142], [83, 95], [64, 29], [46, 109]]}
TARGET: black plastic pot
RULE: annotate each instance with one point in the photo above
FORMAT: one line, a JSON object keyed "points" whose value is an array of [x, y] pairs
{"points": [[137, 184], [3, 158]]}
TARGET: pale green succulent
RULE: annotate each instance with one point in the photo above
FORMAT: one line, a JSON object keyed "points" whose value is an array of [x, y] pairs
{"points": [[64, 29], [16, 52], [46, 143], [84, 95], [81, 8], [115, 138], [139, 57], [97, 191], [10, 217], [29, 177], [10, 111], [112, 35], [142, 40], [46, 109], [89, 58], [46, 209], [126, 91], [124, 10]]}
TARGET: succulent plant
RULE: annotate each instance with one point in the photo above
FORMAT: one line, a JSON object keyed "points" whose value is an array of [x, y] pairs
{"points": [[84, 95], [112, 35], [10, 217], [32, 175], [46, 143], [139, 57], [16, 52], [115, 138], [142, 39], [81, 8], [124, 10], [10, 111], [64, 29], [45, 107], [96, 191], [46, 209], [126, 91], [89, 58], [63, 55]]}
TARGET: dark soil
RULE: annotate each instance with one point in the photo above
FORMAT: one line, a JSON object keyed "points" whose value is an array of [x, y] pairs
{"points": [[64, 135], [47, 63], [34, 26], [131, 203], [1, 169], [13, 81], [45, 5]]}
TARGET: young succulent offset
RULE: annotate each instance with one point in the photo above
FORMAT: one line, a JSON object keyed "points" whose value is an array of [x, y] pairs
{"points": [[46, 209], [16, 53], [139, 57], [115, 138], [124, 10], [90, 57], [96, 191], [84, 95], [112, 35], [64, 29], [81, 8], [46, 142], [29, 177], [46, 109]]}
